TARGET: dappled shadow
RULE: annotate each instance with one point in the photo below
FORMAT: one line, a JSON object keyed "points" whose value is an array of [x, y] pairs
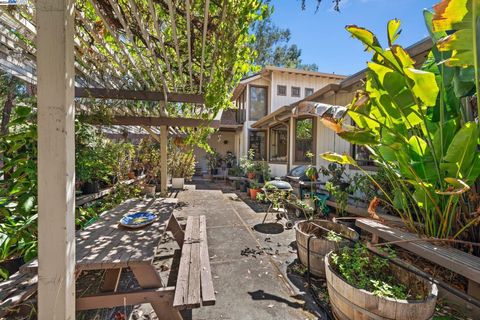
{"points": [[269, 228]]}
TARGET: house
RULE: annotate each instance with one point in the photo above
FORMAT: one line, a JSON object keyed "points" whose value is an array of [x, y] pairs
{"points": [[256, 97], [290, 132]]}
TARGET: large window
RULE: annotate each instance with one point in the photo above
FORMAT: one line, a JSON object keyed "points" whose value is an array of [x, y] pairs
{"points": [[258, 103], [278, 143], [304, 139], [256, 141]]}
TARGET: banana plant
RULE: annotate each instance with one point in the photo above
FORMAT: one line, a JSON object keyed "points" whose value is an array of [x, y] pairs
{"points": [[414, 121]]}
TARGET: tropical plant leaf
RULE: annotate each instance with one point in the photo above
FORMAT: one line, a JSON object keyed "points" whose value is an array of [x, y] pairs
{"points": [[339, 158], [462, 150], [457, 187], [360, 136], [393, 30]]}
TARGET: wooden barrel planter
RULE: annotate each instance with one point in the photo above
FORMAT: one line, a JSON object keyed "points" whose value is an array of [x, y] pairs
{"points": [[319, 246], [351, 303]]}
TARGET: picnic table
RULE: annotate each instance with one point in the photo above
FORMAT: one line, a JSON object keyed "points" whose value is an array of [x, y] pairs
{"points": [[105, 245]]}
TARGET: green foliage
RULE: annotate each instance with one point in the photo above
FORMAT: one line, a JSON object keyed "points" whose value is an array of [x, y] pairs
{"points": [[416, 133], [18, 188], [262, 168], [341, 197], [247, 163], [148, 154], [180, 161], [370, 272], [236, 171], [213, 159]]}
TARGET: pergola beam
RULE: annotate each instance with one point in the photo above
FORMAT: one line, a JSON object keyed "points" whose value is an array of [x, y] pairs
{"points": [[155, 121], [100, 93]]}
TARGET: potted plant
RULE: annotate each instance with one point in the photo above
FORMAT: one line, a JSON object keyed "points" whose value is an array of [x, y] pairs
{"points": [[213, 160], [323, 236], [181, 165], [149, 157], [312, 174], [369, 282], [247, 163], [262, 171], [230, 159], [254, 189]]}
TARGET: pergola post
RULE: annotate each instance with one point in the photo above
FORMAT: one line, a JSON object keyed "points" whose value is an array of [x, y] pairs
{"points": [[163, 157], [56, 159]]}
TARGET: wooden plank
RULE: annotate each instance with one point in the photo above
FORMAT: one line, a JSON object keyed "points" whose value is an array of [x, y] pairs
{"points": [[148, 278], [153, 121], [111, 280], [109, 300], [458, 261], [181, 291], [176, 230], [100, 93], [194, 296], [208, 293]]}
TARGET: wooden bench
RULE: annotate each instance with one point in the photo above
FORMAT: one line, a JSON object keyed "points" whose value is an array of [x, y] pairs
{"points": [[194, 286], [453, 259]]}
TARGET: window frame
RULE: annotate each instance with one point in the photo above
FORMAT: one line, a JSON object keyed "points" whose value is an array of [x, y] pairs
{"points": [[299, 92], [285, 125], [278, 90], [314, 141], [250, 101], [306, 95], [353, 150], [265, 145]]}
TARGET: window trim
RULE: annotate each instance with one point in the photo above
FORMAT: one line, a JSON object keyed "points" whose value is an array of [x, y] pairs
{"points": [[265, 145], [299, 91], [314, 138], [288, 143], [306, 95], [367, 167], [250, 100], [278, 91]]}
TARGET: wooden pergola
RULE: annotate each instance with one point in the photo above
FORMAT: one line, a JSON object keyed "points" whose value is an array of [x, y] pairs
{"points": [[153, 62]]}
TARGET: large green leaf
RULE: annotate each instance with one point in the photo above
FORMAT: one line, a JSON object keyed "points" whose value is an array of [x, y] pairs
{"points": [[360, 136], [462, 150], [339, 158], [393, 30], [424, 85]]}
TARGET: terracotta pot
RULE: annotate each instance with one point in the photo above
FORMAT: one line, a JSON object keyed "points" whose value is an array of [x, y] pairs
{"points": [[251, 175], [131, 175], [253, 193]]}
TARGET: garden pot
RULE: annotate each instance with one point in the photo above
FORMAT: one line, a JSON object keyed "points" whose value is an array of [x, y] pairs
{"points": [[253, 193], [91, 187], [248, 191], [351, 303], [319, 246], [149, 189], [178, 183], [12, 265], [251, 175], [131, 175]]}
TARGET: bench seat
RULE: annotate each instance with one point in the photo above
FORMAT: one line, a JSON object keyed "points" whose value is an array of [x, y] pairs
{"points": [[194, 286]]}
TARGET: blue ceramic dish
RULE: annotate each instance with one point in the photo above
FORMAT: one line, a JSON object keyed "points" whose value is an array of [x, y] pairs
{"points": [[138, 219]]}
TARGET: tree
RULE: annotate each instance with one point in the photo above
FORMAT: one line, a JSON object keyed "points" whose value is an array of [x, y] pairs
{"points": [[273, 47]]}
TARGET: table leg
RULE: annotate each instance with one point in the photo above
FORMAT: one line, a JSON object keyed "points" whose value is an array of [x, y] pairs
{"points": [[148, 278], [111, 280]]}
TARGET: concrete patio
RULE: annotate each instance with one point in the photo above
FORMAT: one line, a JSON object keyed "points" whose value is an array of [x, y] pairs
{"points": [[256, 286]]}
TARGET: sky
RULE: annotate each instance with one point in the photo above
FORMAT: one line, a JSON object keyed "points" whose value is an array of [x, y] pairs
{"points": [[322, 36]]}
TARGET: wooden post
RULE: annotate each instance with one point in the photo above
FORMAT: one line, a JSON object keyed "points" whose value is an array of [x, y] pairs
{"points": [[56, 159], [163, 157]]}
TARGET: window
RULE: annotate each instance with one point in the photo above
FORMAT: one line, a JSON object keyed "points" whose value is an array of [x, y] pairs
{"points": [[278, 143], [362, 156], [258, 103], [304, 139], [295, 91], [256, 141], [308, 91], [281, 90]]}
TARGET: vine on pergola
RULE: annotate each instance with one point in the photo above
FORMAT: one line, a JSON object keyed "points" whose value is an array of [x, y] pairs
{"points": [[185, 46]]}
